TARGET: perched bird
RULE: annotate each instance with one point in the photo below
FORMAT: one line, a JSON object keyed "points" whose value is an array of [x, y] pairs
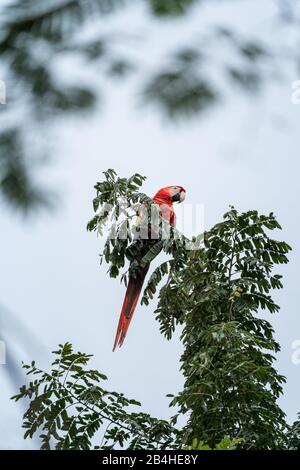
{"points": [[164, 198]]}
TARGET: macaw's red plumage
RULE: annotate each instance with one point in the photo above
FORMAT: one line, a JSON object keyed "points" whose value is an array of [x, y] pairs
{"points": [[165, 199]]}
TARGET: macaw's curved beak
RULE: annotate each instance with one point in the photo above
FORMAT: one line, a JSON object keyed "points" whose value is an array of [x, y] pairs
{"points": [[182, 196], [179, 197]]}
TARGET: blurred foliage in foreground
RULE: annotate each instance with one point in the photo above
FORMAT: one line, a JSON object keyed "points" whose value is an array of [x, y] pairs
{"points": [[39, 38], [216, 292]]}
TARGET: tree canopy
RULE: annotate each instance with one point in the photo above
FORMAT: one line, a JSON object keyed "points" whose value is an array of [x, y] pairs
{"points": [[218, 293]]}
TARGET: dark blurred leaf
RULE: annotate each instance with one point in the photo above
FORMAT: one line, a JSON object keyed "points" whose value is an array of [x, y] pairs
{"points": [[247, 79], [253, 51], [120, 68], [180, 93], [52, 19], [170, 7], [72, 99], [93, 50], [16, 184]]}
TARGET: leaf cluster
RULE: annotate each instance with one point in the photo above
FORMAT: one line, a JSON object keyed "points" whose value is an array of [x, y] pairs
{"points": [[70, 409], [231, 385]]}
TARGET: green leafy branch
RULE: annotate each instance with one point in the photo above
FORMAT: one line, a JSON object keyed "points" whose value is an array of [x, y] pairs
{"points": [[225, 444], [71, 410], [117, 203]]}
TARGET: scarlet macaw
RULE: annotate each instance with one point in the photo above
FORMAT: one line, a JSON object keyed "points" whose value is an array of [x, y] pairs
{"points": [[164, 198]]}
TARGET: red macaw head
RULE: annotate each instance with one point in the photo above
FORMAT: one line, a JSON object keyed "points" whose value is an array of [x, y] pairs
{"points": [[170, 194]]}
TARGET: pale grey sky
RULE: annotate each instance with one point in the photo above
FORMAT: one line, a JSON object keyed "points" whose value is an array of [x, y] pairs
{"points": [[244, 153]]}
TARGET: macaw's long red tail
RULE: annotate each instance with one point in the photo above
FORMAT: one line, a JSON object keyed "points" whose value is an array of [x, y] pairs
{"points": [[132, 296]]}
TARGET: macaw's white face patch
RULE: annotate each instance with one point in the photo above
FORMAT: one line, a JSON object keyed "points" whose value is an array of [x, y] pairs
{"points": [[178, 193]]}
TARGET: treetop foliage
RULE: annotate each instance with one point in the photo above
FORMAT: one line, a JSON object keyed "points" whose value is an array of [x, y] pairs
{"points": [[218, 294]]}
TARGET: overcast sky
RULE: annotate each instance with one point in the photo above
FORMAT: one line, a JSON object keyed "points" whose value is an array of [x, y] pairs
{"points": [[245, 153]]}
